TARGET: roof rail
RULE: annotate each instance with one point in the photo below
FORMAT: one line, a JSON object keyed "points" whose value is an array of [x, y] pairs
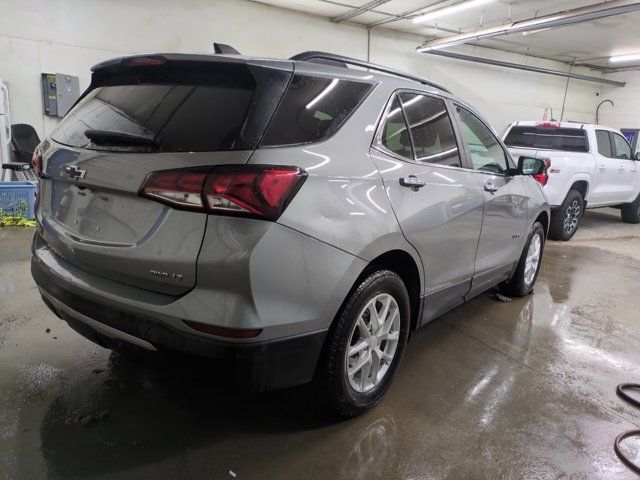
{"points": [[339, 60]]}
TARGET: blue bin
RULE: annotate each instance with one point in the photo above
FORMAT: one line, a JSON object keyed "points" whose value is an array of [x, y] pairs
{"points": [[17, 198]]}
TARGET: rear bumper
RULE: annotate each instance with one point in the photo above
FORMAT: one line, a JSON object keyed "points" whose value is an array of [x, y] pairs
{"points": [[255, 366]]}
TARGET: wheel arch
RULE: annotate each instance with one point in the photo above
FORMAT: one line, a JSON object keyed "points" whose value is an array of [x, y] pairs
{"points": [[579, 183], [545, 219], [402, 263], [408, 269]]}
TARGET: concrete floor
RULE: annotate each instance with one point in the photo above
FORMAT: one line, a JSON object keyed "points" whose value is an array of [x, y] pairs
{"points": [[524, 389]]}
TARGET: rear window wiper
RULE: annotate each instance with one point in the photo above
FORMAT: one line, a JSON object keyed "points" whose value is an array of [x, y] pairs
{"points": [[108, 137]]}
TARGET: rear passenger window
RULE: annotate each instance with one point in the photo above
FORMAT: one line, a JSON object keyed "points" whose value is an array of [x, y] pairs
{"points": [[431, 129], [395, 136], [604, 143], [623, 150], [313, 108]]}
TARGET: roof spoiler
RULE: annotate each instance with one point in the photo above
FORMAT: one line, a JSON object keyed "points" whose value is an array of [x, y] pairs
{"points": [[223, 49]]}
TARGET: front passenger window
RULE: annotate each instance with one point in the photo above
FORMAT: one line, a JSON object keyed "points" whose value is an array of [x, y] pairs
{"points": [[487, 155], [623, 150]]}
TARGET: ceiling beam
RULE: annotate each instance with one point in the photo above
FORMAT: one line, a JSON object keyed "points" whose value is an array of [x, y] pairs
{"points": [[528, 68], [359, 10], [554, 20], [410, 14]]}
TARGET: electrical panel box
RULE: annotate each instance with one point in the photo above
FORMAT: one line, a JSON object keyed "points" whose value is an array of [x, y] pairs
{"points": [[59, 93]]}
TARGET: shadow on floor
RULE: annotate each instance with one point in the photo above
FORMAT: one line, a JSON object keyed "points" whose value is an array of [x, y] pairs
{"points": [[137, 413]]}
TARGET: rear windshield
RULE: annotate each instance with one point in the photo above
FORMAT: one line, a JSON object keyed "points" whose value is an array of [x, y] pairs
{"points": [[313, 108], [567, 139], [228, 109], [176, 112]]}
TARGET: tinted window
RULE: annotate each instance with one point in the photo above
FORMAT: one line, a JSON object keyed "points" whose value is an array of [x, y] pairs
{"points": [[550, 138], [176, 117], [623, 150], [604, 143], [431, 129], [313, 108], [487, 155], [395, 136]]}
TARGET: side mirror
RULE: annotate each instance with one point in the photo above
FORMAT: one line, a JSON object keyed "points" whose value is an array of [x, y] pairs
{"points": [[637, 156], [532, 166]]}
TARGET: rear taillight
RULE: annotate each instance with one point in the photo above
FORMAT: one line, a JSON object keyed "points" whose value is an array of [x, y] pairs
{"points": [[36, 161], [36, 165], [247, 190], [543, 177], [176, 188]]}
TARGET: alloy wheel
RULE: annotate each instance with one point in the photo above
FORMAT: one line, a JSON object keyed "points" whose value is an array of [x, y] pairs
{"points": [[373, 343], [533, 260], [572, 217]]}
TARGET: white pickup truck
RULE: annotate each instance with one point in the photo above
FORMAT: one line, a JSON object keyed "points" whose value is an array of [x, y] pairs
{"points": [[589, 166]]}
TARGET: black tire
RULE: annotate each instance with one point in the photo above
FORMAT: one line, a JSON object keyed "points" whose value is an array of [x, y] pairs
{"points": [[518, 286], [630, 212], [332, 375], [566, 221]]}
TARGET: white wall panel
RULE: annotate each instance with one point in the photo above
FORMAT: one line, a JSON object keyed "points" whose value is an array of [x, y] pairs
{"points": [[70, 36], [626, 112]]}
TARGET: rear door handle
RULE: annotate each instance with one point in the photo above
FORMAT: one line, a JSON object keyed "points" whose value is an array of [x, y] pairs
{"points": [[490, 187], [602, 166], [621, 168], [413, 182]]}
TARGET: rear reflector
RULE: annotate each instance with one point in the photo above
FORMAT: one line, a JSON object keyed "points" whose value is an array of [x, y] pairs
{"points": [[224, 331], [258, 191]]}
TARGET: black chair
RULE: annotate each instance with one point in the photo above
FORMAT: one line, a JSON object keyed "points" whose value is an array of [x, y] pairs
{"points": [[24, 140]]}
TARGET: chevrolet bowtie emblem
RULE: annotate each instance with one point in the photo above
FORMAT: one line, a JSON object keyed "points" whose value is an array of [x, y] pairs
{"points": [[75, 172]]}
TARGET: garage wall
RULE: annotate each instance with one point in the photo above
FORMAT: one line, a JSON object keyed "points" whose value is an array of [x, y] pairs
{"points": [[626, 112], [68, 36]]}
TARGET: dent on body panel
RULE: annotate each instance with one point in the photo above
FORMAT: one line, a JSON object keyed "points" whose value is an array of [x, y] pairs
{"points": [[298, 282], [342, 201], [223, 294]]}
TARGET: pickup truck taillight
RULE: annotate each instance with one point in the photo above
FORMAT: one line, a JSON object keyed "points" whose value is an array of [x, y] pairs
{"points": [[543, 177], [257, 191]]}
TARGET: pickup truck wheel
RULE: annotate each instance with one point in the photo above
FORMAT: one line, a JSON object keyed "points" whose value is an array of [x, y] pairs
{"points": [[365, 344], [630, 213], [526, 273], [566, 220]]}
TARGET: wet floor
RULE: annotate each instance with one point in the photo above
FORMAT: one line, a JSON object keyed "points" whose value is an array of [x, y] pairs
{"points": [[524, 389]]}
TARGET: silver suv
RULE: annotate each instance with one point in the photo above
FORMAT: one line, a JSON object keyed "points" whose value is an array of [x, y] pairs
{"points": [[297, 218]]}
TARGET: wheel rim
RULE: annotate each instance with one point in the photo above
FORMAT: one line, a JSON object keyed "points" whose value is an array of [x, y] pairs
{"points": [[373, 343], [572, 217], [533, 260]]}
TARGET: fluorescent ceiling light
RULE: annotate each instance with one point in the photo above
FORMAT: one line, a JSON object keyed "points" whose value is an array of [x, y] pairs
{"points": [[449, 10], [624, 58]]}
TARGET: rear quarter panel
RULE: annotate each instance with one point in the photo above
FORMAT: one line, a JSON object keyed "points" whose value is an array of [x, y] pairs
{"points": [[343, 201]]}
